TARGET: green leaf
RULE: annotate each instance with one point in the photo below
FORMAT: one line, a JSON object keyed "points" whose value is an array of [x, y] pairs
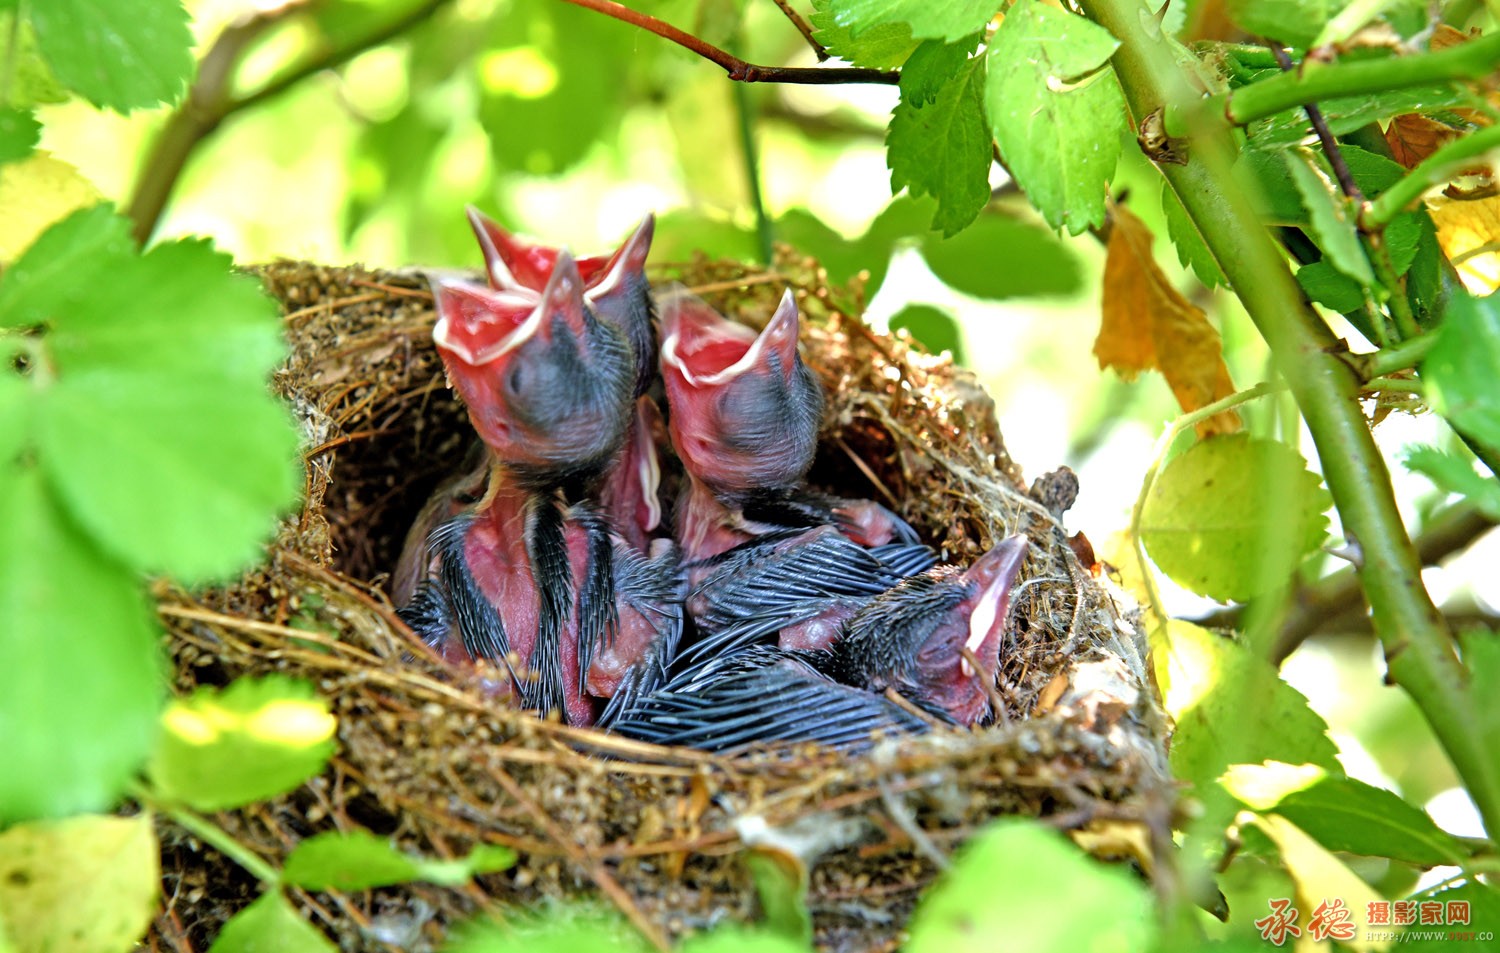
{"points": [[999, 257], [1231, 707], [557, 929], [904, 218], [31, 80], [87, 884], [1330, 287], [729, 939], [121, 55], [552, 89], [19, 134], [1293, 22], [1332, 217], [270, 923], [81, 684], [1464, 365], [40, 284], [683, 233], [1004, 883], [1345, 114], [839, 256], [1482, 903], [1347, 815], [358, 860], [942, 149], [933, 328], [1452, 473], [255, 739], [952, 20], [1232, 516], [1191, 250], [1056, 111], [931, 65], [781, 884], [885, 46]]}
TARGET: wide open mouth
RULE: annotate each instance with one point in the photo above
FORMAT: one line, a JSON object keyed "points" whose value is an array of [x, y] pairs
{"points": [[514, 264], [708, 350], [478, 325], [996, 573]]}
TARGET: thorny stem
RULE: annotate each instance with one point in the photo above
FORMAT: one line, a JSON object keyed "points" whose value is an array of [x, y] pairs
{"points": [[1419, 650], [208, 102], [738, 69]]}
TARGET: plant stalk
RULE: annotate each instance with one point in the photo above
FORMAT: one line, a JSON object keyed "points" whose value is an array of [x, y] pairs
{"points": [[1418, 647]]}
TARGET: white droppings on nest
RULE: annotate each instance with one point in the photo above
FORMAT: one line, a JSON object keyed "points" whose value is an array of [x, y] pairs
{"points": [[807, 838]]}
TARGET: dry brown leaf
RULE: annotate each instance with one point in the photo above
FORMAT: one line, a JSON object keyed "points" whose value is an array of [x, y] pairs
{"points": [[1469, 234], [1147, 323], [1413, 137]]}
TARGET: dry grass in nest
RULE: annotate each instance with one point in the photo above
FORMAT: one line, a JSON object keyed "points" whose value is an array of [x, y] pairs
{"points": [[428, 759]]}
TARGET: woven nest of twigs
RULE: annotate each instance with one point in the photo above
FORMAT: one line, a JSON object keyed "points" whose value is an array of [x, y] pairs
{"points": [[427, 758]]}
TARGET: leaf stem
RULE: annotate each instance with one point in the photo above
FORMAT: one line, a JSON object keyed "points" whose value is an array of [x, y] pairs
{"points": [[1395, 385], [1418, 647], [220, 840], [1433, 171], [739, 70], [1385, 272], [1472, 60], [1398, 357], [803, 27]]}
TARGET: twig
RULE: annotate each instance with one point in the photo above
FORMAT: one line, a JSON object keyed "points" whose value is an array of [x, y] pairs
{"points": [[208, 102], [803, 27], [739, 70], [1444, 163], [1325, 137], [601, 875]]}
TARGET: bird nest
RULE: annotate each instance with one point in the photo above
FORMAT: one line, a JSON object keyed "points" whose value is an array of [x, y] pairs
{"points": [[429, 759]]}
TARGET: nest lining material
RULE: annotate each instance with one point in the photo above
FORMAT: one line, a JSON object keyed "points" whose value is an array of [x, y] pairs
{"points": [[429, 759]]}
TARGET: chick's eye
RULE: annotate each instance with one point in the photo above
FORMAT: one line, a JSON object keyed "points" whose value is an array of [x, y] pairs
{"points": [[515, 379]]}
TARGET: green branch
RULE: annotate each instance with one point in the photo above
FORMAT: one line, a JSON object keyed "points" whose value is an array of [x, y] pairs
{"points": [[1418, 648], [1435, 170], [1473, 60]]}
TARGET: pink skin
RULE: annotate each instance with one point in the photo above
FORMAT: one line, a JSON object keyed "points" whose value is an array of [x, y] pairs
{"points": [[499, 564], [868, 524], [480, 333], [703, 357], [610, 664], [819, 632], [630, 495], [945, 677], [517, 265]]}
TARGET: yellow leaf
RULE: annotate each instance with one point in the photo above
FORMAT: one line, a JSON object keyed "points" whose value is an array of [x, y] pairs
{"points": [[34, 193], [1468, 231], [1147, 323]]}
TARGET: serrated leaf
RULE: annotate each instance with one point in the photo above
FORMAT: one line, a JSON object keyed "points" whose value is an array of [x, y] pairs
{"points": [[999, 257], [1454, 474], [358, 860], [155, 383], [933, 328], [1331, 216], [1345, 114], [122, 55], [1293, 22], [1232, 707], [87, 884], [36, 287], [943, 149], [885, 46], [1146, 323], [82, 680], [255, 739], [952, 20], [988, 894], [1480, 903], [1232, 516], [1192, 252], [19, 134], [930, 65], [270, 923], [1463, 366], [36, 192], [1056, 111]]}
